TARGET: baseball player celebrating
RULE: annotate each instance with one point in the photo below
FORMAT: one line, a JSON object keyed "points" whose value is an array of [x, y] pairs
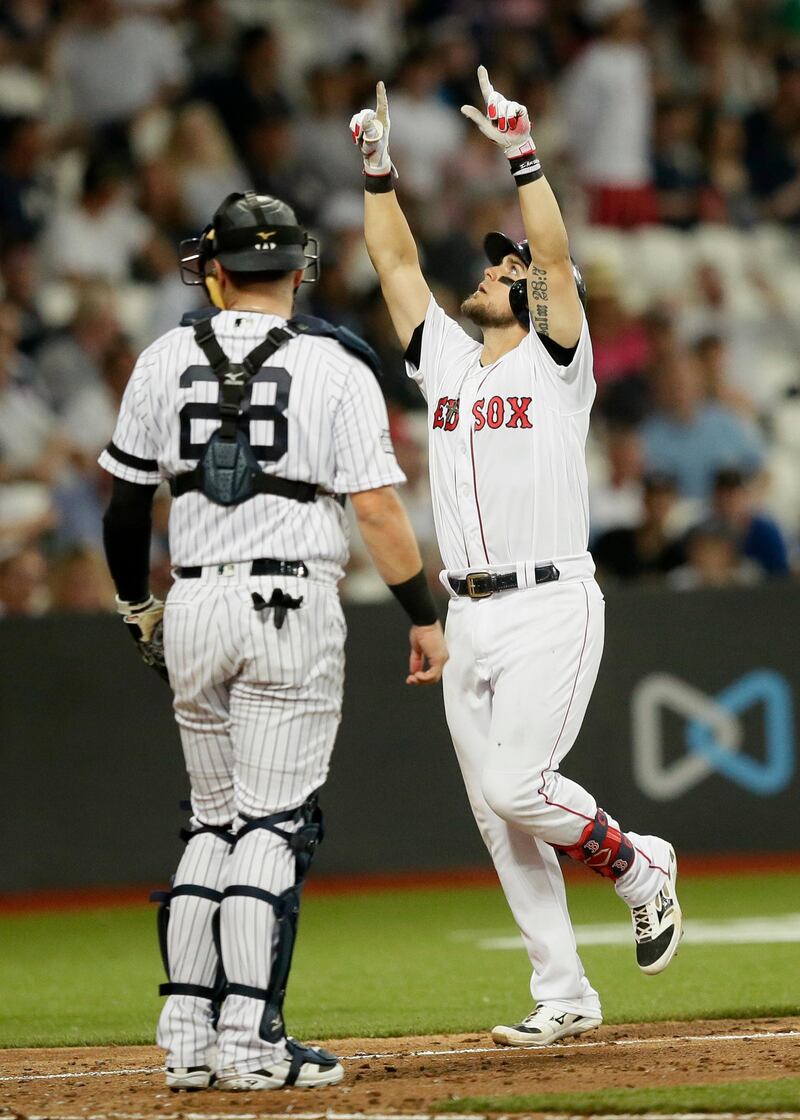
{"points": [[508, 419], [261, 421]]}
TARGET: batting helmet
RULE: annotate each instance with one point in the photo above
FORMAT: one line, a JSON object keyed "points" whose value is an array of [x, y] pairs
{"points": [[498, 245], [250, 233]]}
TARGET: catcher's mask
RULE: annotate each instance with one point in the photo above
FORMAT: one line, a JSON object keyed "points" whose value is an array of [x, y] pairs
{"points": [[498, 245], [249, 233]]}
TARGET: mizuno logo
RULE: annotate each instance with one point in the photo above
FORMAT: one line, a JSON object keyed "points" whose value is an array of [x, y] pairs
{"points": [[234, 378], [264, 236]]}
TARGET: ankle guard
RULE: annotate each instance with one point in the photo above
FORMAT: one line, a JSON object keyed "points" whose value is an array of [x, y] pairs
{"points": [[602, 848]]}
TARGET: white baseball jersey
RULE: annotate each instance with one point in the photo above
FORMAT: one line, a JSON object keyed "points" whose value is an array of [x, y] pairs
{"points": [[508, 478], [258, 704], [507, 459], [316, 414]]}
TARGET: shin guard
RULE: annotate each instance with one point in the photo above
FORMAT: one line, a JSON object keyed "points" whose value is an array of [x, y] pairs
{"points": [[303, 843]]}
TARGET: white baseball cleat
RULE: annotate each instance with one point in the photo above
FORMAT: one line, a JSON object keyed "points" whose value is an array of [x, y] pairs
{"points": [[658, 925], [544, 1026], [303, 1068], [188, 1078]]}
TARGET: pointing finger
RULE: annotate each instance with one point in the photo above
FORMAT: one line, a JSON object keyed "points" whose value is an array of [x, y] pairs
{"points": [[382, 103], [487, 88]]}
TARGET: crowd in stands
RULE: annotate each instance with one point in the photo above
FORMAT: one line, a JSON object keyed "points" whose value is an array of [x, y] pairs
{"points": [[669, 130]]}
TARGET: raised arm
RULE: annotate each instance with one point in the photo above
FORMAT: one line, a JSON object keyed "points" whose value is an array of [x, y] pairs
{"points": [[553, 299], [390, 243]]}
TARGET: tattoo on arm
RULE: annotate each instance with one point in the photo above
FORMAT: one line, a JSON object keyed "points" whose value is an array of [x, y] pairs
{"points": [[537, 299]]}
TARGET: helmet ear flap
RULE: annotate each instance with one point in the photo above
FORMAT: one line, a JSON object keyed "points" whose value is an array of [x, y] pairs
{"points": [[518, 299]]}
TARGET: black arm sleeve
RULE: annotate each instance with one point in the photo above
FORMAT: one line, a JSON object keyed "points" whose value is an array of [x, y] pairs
{"points": [[126, 536], [562, 355], [413, 352]]}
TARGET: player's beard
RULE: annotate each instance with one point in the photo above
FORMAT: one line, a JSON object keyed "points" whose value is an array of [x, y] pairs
{"points": [[483, 316]]}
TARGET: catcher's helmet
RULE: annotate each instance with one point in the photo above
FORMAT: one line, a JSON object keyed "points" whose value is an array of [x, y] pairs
{"points": [[250, 233], [498, 245]]}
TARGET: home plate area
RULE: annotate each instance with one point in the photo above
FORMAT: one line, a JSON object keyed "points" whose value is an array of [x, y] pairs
{"points": [[404, 1077]]}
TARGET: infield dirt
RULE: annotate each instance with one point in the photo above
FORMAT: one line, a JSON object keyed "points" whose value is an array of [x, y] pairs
{"points": [[409, 1075]]}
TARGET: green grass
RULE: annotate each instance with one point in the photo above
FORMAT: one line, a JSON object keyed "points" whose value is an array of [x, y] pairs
{"points": [[392, 963], [750, 1096]]}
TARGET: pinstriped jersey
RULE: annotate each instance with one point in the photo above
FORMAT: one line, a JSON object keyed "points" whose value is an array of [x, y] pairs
{"points": [[507, 447], [314, 413]]}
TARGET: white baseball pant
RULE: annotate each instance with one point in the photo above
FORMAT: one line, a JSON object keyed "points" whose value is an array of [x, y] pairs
{"points": [[521, 671]]}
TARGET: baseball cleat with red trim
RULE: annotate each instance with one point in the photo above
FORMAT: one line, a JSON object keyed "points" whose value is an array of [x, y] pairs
{"points": [[658, 925], [544, 1026]]}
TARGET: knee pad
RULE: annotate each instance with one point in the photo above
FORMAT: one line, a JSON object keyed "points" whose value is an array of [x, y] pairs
{"points": [[603, 848], [303, 841]]}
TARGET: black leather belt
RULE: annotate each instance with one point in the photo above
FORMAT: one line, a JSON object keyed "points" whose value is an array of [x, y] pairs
{"points": [[480, 585], [259, 567]]}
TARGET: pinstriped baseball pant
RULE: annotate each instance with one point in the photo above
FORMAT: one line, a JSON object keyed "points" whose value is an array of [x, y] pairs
{"points": [[258, 709]]}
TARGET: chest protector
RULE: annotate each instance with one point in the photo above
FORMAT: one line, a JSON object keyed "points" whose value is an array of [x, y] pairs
{"points": [[228, 472]]}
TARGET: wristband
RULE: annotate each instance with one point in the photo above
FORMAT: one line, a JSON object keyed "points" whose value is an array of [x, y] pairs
{"points": [[414, 596], [526, 169], [379, 184]]}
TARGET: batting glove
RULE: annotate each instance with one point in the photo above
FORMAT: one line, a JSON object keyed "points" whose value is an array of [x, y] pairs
{"points": [[370, 131], [145, 625], [507, 124]]}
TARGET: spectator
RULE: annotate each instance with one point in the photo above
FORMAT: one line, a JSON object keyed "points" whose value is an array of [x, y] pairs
{"points": [[727, 197], [691, 439], [629, 399], [709, 311], [608, 103], [279, 166], [26, 189], [250, 91], [330, 92], [619, 340], [759, 536], [771, 151], [116, 66], [424, 152], [711, 352], [203, 161], [19, 273], [616, 503], [80, 582], [210, 40], [678, 168], [91, 415], [652, 547], [23, 583], [102, 236], [72, 360], [36, 451], [713, 559]]}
